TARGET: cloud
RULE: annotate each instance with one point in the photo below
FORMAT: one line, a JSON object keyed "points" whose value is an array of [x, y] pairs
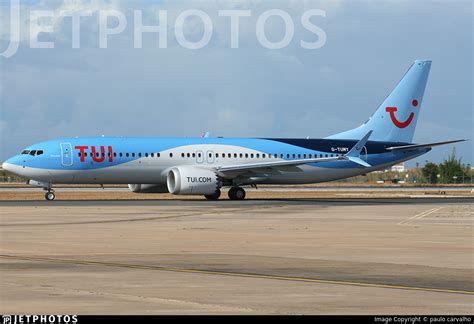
{"points": [[60, 10]]}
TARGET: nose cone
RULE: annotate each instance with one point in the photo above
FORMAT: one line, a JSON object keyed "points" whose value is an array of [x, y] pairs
{"points": [[7, 165], [12, 165]]}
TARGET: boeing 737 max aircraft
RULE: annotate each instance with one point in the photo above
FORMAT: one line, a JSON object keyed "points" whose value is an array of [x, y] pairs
{"points": [[202, 166]]}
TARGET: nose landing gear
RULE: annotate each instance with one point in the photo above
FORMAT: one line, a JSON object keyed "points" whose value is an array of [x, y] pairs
{"points": [[49, 195]]}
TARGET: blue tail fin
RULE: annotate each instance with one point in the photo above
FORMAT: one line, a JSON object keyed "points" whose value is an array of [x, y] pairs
{"points": [[395, 119]]}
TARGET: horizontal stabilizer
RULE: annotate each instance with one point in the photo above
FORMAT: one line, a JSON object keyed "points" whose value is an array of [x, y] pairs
{"points": [[416, 146]]}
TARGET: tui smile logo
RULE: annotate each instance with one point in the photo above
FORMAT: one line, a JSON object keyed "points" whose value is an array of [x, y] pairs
{"points": [[396, 122]]}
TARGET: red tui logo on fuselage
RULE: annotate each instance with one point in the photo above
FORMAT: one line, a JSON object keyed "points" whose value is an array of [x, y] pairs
{"points": [[96, 156]]}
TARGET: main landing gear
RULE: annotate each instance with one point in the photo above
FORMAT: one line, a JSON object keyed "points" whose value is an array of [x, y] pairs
{"points": [[49, 195], [236, 193], [214, 196]]}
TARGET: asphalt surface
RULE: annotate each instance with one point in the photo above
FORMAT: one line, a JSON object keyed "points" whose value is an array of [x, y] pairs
{"points": [[247, 202], [257, 256]]}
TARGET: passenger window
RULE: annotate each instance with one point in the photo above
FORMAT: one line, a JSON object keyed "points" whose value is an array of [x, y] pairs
{"points": [[127, 155], [246, 155], [188, 155], [171, 155], [194, 155], [152, 154], [146, 154], [182, 155], [133, 154], [115, 154], [121, 154], [251, 155]]}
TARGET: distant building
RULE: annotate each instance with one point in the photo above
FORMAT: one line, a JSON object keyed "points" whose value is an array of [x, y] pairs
{"points": [[400, 167]]}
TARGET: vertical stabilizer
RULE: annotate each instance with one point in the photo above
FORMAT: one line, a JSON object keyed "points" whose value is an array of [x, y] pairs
{"points": [[395, 119]]}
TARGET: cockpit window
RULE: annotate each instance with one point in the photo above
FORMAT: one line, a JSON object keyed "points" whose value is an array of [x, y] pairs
{"points": [[33, 152]]}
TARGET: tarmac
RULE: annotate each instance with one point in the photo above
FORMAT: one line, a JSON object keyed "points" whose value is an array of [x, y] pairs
{"points": [[258, 256]]}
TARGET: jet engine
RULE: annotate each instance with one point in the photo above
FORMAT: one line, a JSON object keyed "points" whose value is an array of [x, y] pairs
{"points": [[187, 180], [148, 188]]}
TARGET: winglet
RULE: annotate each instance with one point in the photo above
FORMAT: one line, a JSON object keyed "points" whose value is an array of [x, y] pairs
{"points": [[354, 153], [359, 161]]}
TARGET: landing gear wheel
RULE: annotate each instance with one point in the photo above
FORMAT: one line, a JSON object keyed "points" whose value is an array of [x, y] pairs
{"points": [[214, 196], [49, 195], [236, 193]]}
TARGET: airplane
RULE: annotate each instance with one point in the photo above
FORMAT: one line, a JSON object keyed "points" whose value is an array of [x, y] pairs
{"points": [[204, 165]]}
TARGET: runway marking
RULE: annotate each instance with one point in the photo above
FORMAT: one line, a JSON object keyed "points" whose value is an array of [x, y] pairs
{"points": [[455, 225], [235, 274], [419, 216]]}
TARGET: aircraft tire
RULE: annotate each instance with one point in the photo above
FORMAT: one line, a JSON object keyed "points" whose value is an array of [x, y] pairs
{"points": [[236, 193], [214, 196], [49, 195]]}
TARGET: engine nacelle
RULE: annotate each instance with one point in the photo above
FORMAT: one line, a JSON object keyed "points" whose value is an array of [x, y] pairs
{"points": [[187, 180], [148, 188]]}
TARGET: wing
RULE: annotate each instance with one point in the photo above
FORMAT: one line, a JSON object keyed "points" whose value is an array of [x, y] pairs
{"points": [[416, 146], [291, 165]]}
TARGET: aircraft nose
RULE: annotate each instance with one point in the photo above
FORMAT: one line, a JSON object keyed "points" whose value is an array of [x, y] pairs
{"points": [[11, 165], [7, 165]]}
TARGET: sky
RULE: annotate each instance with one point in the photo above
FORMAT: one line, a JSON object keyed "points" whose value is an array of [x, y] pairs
{"points": [[249, 91]]}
